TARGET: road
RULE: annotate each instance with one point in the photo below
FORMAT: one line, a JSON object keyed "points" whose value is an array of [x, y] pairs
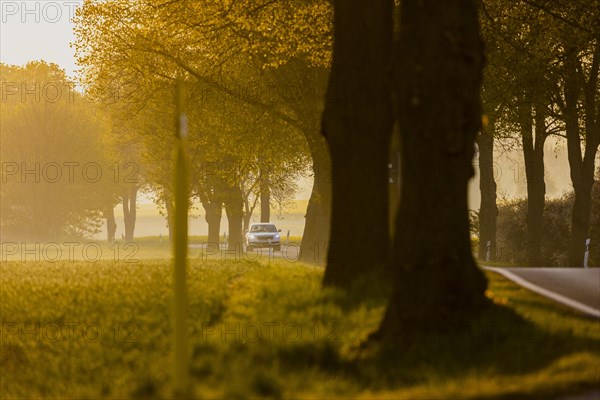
{"points": [[575, 288]]}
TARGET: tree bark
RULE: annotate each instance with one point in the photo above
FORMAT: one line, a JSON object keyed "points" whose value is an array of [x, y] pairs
{"points": [[439, 58], [315, 239], [111, 224], [533, 152], [246, 221], [214, 211], [394, 180], [357, 124], [211, 191], [488, 210], [265, 195], [170, 215], [582, 168], [234, 208], [130, 211]]}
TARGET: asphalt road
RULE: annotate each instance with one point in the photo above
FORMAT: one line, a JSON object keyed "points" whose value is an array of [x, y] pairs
{"points": [[575, 288], [595, 395]]}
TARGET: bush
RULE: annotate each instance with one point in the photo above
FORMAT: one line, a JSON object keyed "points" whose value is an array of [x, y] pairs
{"points": [[512, 231]]}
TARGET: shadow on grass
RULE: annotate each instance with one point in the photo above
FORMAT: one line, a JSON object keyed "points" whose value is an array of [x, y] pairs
{"points": [[372, 290], [500, 341]]}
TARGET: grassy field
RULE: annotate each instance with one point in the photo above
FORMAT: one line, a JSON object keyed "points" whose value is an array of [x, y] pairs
{"points": [[142, 248], [90, 330]]}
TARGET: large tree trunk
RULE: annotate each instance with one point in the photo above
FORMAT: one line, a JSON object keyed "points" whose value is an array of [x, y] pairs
{"points": [[357, 123], [394, 180], [533, 152], [111, 224], [439, 72], [234, 208], [488, 210], [313, 247], [265, 195], [129, 211], [582, 168]]}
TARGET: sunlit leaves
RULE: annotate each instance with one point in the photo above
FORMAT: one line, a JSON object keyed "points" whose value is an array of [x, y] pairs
{"points": [[53, 138]]}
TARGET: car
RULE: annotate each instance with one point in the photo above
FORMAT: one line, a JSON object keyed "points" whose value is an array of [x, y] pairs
{"points": [[263, 235]]}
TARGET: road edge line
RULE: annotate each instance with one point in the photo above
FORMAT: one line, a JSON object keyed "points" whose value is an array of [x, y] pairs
{"points": [[545, 292]]}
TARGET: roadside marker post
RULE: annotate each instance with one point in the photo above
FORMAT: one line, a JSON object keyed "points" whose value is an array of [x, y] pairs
{"points": [[586, 256], [180, 246]]}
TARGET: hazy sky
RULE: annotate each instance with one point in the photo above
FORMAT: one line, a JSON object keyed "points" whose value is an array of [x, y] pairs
{"points": [[34, 30]]}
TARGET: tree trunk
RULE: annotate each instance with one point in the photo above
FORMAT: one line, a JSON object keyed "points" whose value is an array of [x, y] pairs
{"points": [[581, 168], [533, 153], [214, 211], [129, 211], [357, 123], [308, 110], [580, 224], [265, 196], [111, 224], [394, 180], [170, 215], [210, 190], [315, 238], [246, 221], [234, 208], [488, 211], [439, 71]]}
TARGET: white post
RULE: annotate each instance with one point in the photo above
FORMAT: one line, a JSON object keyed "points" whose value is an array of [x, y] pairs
{"points": [[487, 251], [587, 253]]}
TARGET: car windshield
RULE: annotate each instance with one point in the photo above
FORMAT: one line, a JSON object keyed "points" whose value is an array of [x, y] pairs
{"points": [[263, 228]]}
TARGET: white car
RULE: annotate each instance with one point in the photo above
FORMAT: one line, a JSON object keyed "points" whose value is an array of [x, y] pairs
{"points": [[263, 235]]}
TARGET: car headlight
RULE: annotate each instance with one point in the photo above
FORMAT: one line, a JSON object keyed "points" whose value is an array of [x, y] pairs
{"points": [[277, 236], [252, 236]]}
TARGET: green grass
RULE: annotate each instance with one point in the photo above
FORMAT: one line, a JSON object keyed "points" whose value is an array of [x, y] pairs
{"points": [[143, 248], [309, 346]]}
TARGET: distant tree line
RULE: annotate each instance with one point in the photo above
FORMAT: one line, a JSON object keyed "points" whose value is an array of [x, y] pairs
{"points": [[541, 80]]}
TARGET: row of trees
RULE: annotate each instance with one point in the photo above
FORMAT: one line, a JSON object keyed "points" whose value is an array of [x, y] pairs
{"points": [[269, 60], [246, 142], [541, 80], [69, 158], [239, 48]]}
